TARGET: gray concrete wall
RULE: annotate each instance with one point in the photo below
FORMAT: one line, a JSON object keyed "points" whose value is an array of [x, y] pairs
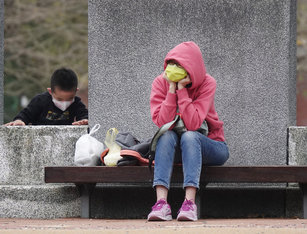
{"points": [[1, 58], [24, 152], [248, 46]]}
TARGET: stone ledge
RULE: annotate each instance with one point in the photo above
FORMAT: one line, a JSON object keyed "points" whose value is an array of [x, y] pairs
{"points": [[297, 145], [26, 150]]}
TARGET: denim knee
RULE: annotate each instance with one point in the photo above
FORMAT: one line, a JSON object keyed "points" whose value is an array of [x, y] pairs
{"points": [[190, 144], [189, 136], [168, 139], [170, 135]]}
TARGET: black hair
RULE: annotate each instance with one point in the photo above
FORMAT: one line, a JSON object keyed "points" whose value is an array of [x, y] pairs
{"points": [[64, 78]]}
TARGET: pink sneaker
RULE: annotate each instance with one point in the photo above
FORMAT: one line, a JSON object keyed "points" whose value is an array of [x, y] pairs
{"points": [[161, 211], [188, 211]]}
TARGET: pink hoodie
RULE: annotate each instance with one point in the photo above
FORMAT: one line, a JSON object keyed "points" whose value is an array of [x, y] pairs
{"points": [[196, 103]]}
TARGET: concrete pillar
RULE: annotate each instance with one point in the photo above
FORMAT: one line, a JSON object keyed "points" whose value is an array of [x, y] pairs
{"points": [[248, 46]]}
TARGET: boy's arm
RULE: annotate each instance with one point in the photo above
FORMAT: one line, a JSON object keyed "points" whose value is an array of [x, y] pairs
{"points": [[31, 112], [81, 114]]}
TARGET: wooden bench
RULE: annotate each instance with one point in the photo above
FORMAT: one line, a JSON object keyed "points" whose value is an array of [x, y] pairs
{"points": [[87, 177]]}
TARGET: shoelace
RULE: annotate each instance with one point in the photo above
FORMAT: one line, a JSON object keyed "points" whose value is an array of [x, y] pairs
{"points": [[158, 205], [187, 205]]}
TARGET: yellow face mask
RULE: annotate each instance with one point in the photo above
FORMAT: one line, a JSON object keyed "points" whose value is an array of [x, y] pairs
{"points": [[175, 73]]}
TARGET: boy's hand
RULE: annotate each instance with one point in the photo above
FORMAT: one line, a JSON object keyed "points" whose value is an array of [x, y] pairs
{"points": [[182, 83], [81, 122], [17, 122], [172, 85]]}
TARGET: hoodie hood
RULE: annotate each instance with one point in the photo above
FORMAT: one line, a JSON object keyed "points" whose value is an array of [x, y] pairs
{"points": [[189, 56]]}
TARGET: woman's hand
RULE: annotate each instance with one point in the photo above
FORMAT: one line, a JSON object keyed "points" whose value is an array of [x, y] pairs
{"points": [[172, 85], [185, 81]]}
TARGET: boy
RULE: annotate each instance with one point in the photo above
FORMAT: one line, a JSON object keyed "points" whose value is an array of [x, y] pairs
{"points": [[58, 106]]}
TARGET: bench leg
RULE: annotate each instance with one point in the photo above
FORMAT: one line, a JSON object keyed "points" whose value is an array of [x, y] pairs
{"points": [[198, 203], [86, 191], [198, 199], [304, 190]]}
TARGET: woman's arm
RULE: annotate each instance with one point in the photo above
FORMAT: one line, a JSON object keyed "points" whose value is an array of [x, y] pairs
{"points": [[194, 112], [163, 102]]}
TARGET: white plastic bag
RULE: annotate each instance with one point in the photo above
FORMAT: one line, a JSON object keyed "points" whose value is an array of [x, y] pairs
{"points": [[114, 149], [88, 149]]}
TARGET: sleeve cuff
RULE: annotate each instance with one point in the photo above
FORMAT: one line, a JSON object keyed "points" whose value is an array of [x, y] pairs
{"points": [[170, 99], [182, 94]]}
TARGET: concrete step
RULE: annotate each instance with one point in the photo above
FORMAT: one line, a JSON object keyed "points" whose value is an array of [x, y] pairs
{"points": [[39, 201]]}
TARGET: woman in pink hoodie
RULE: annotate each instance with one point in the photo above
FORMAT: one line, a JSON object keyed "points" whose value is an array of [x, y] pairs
{"points": [[186, 89]]}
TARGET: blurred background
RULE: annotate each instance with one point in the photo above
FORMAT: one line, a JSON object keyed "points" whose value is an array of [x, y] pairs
{"points": [[39, 37], [43, 35]]}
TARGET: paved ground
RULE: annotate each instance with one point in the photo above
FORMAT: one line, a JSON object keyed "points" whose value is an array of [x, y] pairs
{"points": [[84, 226]]}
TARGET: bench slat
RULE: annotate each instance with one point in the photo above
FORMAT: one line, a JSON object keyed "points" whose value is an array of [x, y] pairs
{"points": [[141, 174]]}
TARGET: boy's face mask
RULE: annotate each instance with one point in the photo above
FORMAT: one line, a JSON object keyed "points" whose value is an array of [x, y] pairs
{"points": [[62, 99], [175, 73], [62, 105]]}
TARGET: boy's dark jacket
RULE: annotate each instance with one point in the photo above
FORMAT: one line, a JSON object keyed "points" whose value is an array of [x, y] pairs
{"points": [[42, 111]]}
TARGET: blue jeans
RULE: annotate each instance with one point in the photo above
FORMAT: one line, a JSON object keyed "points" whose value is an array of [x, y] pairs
{"points": [[194, 150]]}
